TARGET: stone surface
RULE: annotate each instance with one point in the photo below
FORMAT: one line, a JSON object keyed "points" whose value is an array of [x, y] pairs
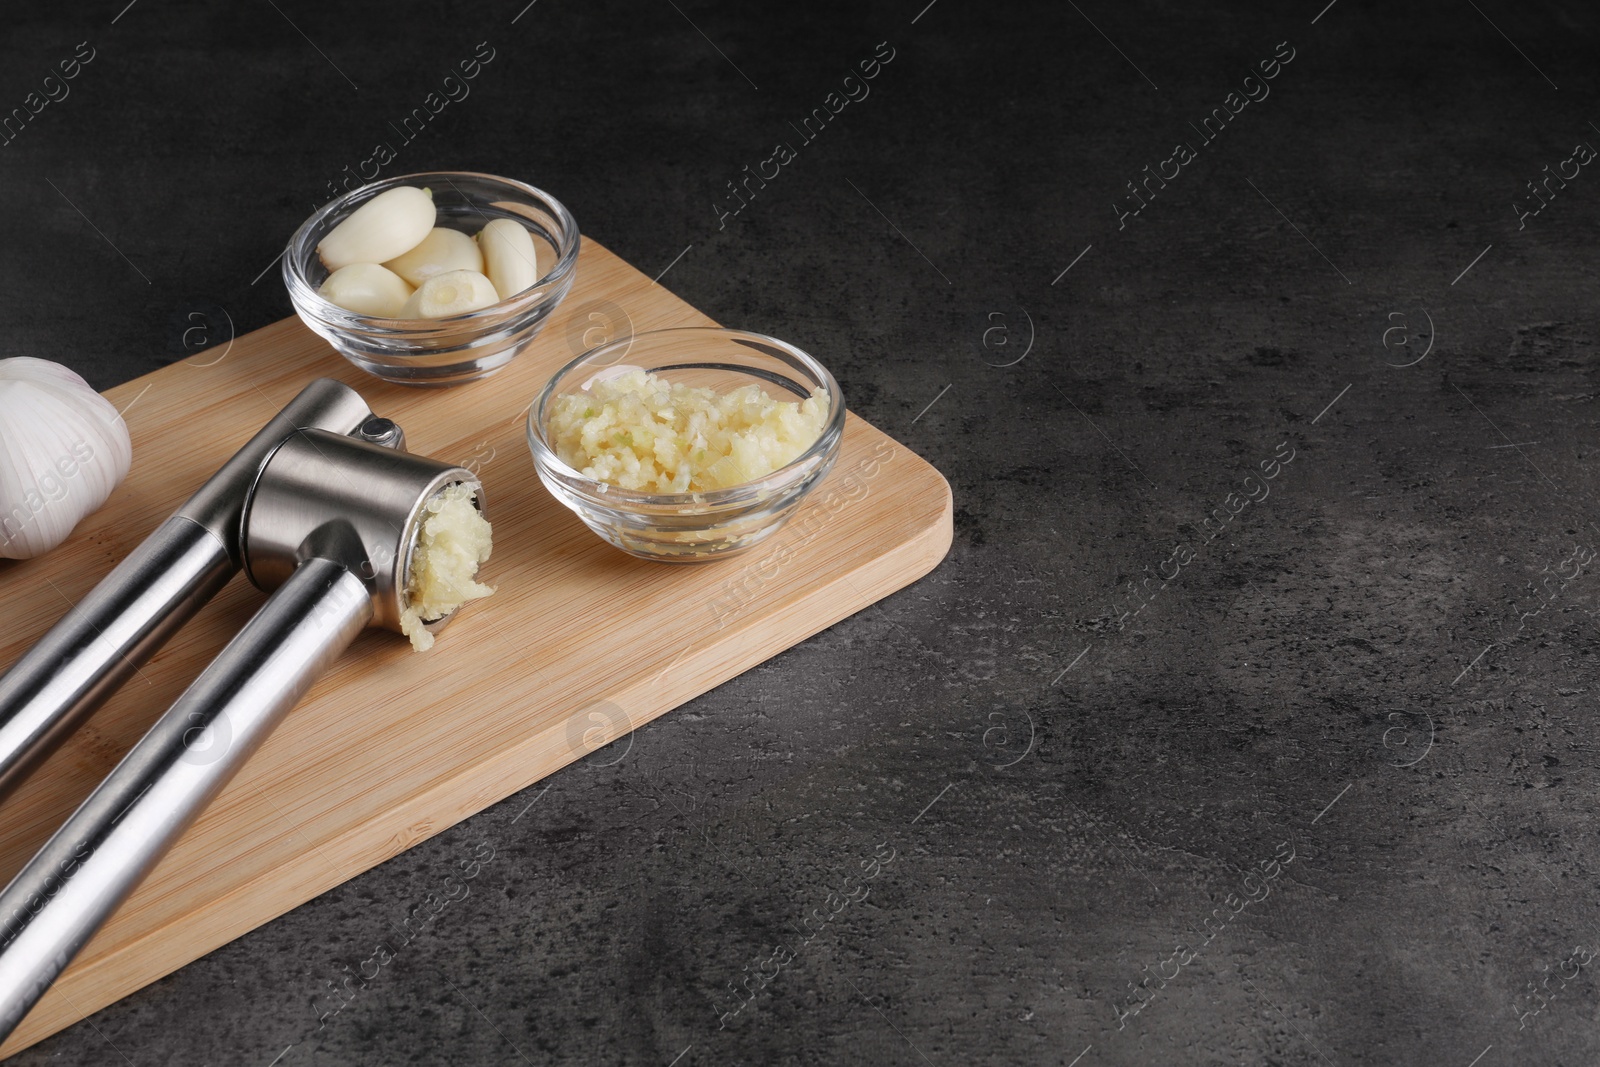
{"points": [[1095, 735]]}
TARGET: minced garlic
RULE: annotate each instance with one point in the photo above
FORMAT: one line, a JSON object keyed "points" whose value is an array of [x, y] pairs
{"points": [[453, 542], [639, 431]]}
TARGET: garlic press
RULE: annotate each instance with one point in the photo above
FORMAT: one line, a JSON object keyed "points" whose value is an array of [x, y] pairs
{"points": [[322, 509]]}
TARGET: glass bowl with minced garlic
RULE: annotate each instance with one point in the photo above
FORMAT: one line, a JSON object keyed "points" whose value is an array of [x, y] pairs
{"points": [[687, 444]]}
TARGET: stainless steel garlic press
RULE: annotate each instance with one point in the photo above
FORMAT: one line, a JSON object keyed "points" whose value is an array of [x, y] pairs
{"points": [[322, 509]]}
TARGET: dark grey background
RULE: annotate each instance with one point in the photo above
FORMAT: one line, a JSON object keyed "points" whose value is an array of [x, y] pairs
{"points": [[1388, 662]]}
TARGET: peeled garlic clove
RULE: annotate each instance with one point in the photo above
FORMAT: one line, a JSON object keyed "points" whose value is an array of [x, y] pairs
{"points": [[63, 449], [508, 250], [442, 250], [390, 223], [453, 293], [367, 289]]}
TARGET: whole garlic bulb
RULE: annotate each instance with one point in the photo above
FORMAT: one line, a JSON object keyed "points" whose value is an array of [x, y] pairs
{"points": [[63, 449]]}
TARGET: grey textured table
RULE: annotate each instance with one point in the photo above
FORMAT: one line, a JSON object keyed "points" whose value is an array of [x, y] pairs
{"points": [[1250, 718]]}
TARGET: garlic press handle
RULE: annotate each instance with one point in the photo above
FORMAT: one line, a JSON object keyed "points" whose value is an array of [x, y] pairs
{"points": [[57, 902]]}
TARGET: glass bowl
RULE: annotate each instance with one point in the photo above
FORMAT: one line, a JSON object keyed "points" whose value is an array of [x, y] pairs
{"points": [[449, 350], [693, 527]]}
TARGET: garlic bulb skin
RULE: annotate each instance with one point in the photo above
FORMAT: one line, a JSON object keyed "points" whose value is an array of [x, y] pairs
{"points": [[63, 449]]}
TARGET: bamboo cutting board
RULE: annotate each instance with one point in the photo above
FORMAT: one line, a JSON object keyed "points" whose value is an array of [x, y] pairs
{"points": [[580, 644]]}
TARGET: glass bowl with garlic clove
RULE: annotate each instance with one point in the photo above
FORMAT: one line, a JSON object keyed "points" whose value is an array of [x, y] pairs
{"points": [[435, 278]]}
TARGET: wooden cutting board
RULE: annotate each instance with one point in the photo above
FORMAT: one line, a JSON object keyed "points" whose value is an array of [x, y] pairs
{"points": [[580, 644]]}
